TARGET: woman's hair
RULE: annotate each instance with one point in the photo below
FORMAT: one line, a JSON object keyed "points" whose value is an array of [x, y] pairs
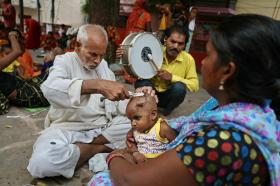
{"points": [[252, 42]]}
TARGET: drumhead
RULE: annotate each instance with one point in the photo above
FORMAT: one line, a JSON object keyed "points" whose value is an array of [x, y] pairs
{"points": [[140, 45]]}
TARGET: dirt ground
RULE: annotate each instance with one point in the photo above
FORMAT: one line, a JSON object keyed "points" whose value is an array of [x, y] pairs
{"points": [[19, 130]]}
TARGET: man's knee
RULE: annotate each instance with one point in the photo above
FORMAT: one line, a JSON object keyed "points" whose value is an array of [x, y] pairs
{"points": [[60, 161], [40, 166], [178, 89]]}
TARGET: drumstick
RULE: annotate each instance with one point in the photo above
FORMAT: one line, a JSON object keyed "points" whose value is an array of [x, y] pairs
{"points": [[152, 62], [130, 45]]}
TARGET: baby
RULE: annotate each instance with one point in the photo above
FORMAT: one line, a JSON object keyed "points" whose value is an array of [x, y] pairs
{"points": [[151, 132]]}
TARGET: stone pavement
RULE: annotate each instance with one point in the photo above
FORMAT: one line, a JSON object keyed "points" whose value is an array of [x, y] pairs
{"points": [[19, 130]]}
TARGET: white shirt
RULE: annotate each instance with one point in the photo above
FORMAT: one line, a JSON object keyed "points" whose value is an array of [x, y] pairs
{"points": [[69, 109], [192, 25]]}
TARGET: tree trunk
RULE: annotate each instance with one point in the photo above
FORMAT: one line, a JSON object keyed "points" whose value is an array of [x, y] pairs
{"points": [[104, 12]]}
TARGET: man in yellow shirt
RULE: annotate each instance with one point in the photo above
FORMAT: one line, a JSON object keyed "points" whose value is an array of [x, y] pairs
{"points": [[177, 74]]}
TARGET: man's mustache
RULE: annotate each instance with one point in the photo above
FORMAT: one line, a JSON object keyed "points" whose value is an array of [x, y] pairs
{"points": [[174, 49]]}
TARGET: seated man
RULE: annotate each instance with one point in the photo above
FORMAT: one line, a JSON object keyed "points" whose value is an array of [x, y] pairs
{"points": [[177, 74], [80, 123]]}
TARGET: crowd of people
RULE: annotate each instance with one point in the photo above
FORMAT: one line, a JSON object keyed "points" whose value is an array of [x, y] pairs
{"points": [[181, 13], [232, 139], [21, 76]]}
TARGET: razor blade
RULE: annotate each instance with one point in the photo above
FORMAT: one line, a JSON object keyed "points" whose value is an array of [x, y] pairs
{"points": [[131, 94]]}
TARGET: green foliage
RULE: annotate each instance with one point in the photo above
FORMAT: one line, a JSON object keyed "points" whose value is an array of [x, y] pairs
{"points": [[85, 9]]}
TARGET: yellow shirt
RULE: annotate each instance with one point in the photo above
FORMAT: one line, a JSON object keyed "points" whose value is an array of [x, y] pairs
{"points": [[182, 69], [150, 143], [11, 67], [163, 24]]}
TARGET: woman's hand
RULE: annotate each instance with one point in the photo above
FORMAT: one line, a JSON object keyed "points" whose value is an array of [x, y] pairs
{"points": [[139, 158], [127, 156], [16, 44]]}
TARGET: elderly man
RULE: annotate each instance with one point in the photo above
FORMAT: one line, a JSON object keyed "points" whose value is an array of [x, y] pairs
{"points": [[81, 122]]}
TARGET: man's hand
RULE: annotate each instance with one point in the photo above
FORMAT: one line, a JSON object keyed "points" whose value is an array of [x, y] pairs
{"points": [[119, 53], [165, 75], [111, 90]]}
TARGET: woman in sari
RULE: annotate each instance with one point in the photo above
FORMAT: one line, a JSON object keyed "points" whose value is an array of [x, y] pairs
{"points": [[13, 89], [234, 138]]}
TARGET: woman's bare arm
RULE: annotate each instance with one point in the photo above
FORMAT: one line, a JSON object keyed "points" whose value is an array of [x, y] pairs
{"points": [[165, 170], [14, 54]]}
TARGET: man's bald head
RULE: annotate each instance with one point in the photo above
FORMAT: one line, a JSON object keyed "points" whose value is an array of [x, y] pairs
{"points": [[91, 30]]}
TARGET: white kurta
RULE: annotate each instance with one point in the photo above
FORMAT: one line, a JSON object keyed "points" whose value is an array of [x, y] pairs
{"points": [[75, 118], [70, 110]]}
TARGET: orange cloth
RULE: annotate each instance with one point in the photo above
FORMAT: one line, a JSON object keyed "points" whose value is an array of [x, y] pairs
{"points": [[27, 63]]}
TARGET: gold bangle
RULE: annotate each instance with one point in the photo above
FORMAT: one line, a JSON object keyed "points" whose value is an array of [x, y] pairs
{"points": [[113, 155]]}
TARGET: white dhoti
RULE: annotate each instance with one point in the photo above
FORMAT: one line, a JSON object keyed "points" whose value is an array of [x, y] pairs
{"points": [[74, 117], [55, 153]]}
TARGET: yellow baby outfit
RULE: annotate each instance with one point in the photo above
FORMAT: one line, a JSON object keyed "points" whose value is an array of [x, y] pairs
{"points": [[150, 144]]}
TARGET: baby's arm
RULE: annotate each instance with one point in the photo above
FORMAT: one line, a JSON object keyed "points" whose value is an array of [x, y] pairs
{"points": [[166, 131]]}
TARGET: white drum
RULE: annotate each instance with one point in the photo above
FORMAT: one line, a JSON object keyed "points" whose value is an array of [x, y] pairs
{"points": [[143, 55]]}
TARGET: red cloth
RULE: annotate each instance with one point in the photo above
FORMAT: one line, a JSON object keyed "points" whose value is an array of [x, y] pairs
{"points": [[33, 34], [49, 43], [9, 14]]}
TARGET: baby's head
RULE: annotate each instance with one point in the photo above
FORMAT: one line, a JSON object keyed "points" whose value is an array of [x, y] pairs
{"points": [[142, 111]]}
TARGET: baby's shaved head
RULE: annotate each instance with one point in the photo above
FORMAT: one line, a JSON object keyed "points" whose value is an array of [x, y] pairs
{"points": [[147, 101]]}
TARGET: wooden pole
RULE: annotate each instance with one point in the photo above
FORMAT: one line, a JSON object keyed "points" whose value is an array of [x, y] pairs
{"points": [[38, 10], [21, 15]]}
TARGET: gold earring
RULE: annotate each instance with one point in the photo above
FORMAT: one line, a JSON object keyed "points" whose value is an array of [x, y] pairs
{"points": [[221, 87]]}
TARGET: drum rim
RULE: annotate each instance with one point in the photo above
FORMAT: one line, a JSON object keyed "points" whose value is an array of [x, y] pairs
{"points": [[134, 39]]}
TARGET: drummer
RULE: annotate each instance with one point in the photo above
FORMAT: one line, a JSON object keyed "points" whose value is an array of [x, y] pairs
{"points": [[177, 75]]}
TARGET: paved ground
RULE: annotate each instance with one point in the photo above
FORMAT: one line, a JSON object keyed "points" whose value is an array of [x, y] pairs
{"points": [[19, 130]]}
